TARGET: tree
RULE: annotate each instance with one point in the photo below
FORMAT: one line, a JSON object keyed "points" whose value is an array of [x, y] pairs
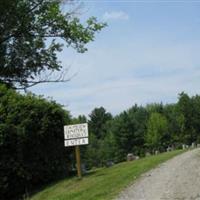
{"points": [[80, 119], [156, 130], [185, 107], [32, 33], [155, 107], [175, 125], [128, 129], [97, 123], [94, 154], [195, 118], [189, 107], [31, 143]]}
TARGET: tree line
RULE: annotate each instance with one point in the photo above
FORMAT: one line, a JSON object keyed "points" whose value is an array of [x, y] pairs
{"points": [[32, 151], [141, 129], [32, 139]]}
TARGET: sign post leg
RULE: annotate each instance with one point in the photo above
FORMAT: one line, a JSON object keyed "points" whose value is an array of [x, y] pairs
{"points": [[78, 161]]}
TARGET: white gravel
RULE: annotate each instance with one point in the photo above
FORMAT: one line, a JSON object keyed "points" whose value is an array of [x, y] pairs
{"points": [[176, 179]]}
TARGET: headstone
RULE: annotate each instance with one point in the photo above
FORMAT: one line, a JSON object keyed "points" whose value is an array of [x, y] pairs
{"points": [[157, 152], [193, 145], [147, 154], [137, 157], [169, 149], [109, 163], [183, 146], [198, 145], [130, 157], [83, 168]]}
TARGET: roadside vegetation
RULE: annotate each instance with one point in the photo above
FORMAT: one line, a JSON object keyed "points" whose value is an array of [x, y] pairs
{"points": [[32, 140], [32, 152], [104, 183]]}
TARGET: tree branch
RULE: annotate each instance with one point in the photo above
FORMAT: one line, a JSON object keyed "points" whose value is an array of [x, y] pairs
{"points": [[30, 83]]}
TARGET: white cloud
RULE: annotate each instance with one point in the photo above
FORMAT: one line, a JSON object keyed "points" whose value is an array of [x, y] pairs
{"points": [[120, 94], [115, 15], [137, 70], [139, 74]]}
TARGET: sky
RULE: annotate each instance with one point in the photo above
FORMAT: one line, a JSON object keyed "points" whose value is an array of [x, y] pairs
{"points": [[149, 52]]}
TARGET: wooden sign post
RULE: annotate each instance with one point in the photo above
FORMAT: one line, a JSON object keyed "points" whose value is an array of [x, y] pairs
{"points": [[78, 161], [76, 135]]}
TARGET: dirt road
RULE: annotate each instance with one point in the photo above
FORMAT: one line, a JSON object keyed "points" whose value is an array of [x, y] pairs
{"points": [[176, 179]]}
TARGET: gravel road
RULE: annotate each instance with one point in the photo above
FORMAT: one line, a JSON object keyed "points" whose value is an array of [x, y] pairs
{"points": [[176, 179]]}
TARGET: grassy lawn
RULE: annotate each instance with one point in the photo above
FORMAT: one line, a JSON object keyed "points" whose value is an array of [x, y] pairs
{"points": [[102, 184]]}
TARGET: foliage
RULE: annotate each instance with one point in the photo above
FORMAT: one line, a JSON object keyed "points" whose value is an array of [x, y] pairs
{"points": [[190, 110], [128, 129], [95, 154], [31, 142], [31, 137], [155, 107], [157, 128], [80, 119], [142, 129], [102, 184], [32, 33], [97, 122], [175, 121]]}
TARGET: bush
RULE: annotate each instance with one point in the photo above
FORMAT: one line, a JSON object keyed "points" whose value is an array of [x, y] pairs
{"points": [[31, 142]]}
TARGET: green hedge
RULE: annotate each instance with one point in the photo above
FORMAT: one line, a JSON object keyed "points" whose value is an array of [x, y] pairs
{"points": [[31, 142]]}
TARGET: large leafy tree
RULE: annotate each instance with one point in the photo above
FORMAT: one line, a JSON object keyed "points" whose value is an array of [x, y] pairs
{"points": [[128, 129], [175, 118], [98, 121], [31, 143], [157, 128], [189, 107], [31, 35], [94, 154]]}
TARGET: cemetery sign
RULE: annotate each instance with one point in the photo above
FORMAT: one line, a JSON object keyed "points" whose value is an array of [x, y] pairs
{"points": [[75, 135]]}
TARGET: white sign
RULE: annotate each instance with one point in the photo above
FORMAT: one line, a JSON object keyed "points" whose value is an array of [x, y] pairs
{"points": [[76, 131], [76, 142], [76, 134]]}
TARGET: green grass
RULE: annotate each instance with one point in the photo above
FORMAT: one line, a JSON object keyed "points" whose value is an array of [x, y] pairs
{"points": [[102, 184]]}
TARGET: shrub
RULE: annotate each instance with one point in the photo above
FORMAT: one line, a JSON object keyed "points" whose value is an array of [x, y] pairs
{"points": [[31, 142]]}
